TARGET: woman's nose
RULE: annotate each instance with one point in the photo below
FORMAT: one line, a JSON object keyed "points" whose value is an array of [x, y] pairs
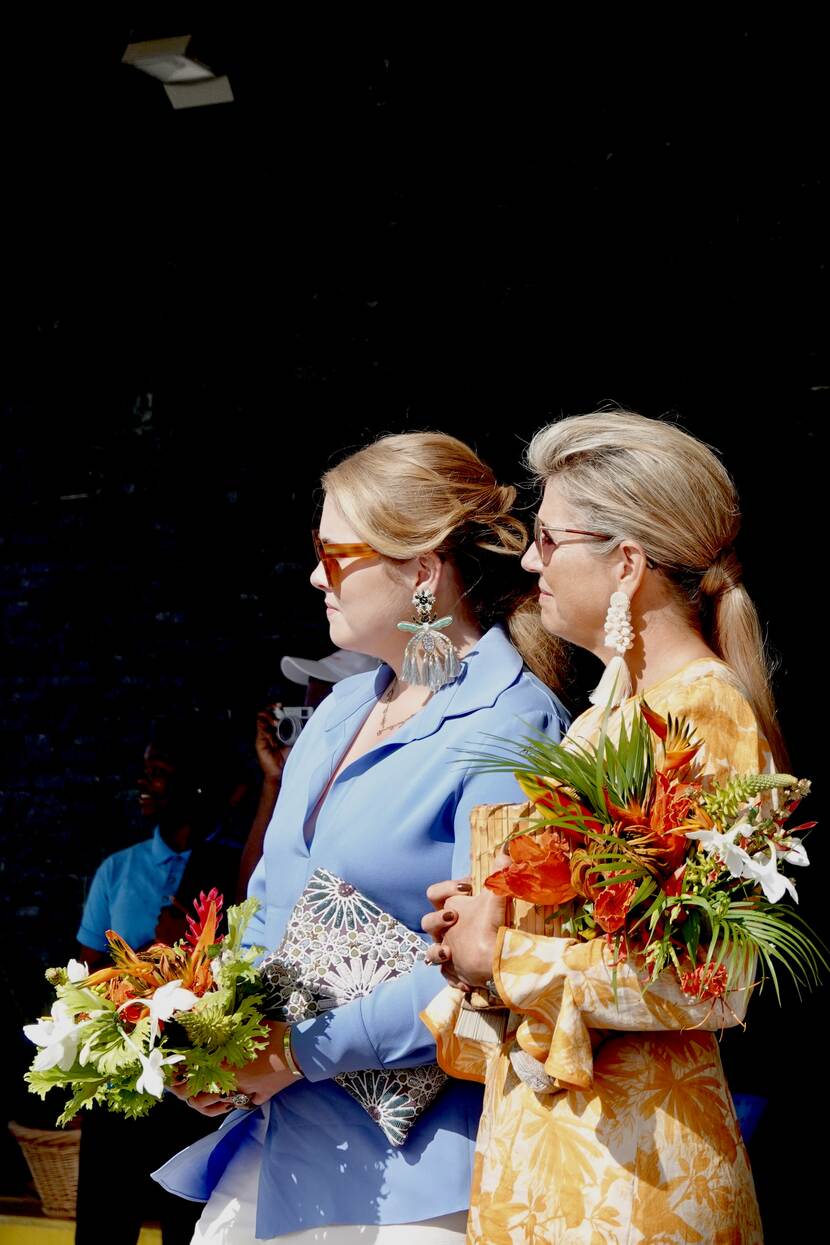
{"points": [[531, 560]]}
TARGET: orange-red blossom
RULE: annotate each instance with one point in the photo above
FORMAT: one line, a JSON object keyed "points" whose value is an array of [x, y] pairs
{"points": [[540, 871], [138, 974]]}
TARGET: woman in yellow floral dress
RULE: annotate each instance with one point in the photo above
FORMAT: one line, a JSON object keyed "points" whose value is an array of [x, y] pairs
{"points": [[632, 1138]]}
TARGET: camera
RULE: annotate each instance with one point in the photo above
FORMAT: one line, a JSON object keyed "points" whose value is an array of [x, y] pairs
{"points": [[289, 721]]}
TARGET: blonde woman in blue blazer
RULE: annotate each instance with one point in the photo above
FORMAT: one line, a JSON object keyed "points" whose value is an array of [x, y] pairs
{"points": [[375, 792]]}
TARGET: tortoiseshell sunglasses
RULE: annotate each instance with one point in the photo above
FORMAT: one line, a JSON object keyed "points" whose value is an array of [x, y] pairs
{"points": [[329, 554]]}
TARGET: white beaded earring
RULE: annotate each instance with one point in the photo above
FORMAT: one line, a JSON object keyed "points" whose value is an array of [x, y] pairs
{"points": [[615, 684]]}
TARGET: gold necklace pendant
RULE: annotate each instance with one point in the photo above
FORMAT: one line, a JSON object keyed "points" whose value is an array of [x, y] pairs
{"points": [[386, 700]]}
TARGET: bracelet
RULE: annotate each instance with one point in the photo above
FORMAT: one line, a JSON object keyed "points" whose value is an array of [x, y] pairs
{"points": [[288, 1055]]}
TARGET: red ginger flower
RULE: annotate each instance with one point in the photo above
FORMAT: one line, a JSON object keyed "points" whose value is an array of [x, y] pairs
{"points": [[209, 913], [707, 981]]}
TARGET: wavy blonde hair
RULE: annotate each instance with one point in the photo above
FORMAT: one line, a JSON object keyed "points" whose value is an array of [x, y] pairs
{"points": [[420, 492], [649, 481]]}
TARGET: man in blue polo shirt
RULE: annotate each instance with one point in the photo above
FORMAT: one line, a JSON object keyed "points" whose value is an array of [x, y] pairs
{"points": [[143, 892], [132, 886]]}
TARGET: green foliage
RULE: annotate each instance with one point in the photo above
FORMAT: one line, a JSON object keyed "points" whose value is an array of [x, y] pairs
{"points": [[53, 1078], [239, 917], [623, 771], [209, 1026], [206, 1073]]}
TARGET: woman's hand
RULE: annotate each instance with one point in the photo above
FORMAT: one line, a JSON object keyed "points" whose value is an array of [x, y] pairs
{"points": [[437, 922], [464, 928], [260, 1080]]}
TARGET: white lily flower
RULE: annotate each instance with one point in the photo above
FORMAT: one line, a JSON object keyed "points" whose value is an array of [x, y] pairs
{"points": [[773, 883], [151, 1080], [168, 999], [58, 1038], [76, 971], [724, 847], [793, 852]]}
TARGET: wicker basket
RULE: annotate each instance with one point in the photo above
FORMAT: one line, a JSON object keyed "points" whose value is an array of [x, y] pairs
{"points": [[490, 827], [52, 1156]]}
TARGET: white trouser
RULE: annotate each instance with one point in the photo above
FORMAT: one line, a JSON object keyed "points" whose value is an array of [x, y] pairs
{"points": [[229, 1218]]}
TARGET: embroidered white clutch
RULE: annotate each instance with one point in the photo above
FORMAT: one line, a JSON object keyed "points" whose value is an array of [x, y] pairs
{"points": [[338, 946]]}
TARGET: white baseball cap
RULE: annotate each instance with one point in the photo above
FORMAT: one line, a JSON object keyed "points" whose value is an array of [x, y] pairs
{"points": [[338, 665]]}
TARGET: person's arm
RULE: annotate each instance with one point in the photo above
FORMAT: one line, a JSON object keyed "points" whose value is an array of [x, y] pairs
{"points": [[97, 915], [572, 987], [272, 757], [92, 957], [384, 1028]]}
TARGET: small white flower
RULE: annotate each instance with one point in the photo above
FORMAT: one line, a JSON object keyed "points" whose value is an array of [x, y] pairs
{"points": [[168, 999], [794, 852], [151, 1080], [724, 847], [58, 1038], [765, 871], [76, 971]]}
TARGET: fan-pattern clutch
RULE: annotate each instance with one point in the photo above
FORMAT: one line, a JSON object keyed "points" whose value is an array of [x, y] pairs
{"points": [[338, 946]]}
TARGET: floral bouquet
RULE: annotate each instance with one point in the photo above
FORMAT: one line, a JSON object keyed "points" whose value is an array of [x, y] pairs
{"points": [[628, 843], [113, 1033]]}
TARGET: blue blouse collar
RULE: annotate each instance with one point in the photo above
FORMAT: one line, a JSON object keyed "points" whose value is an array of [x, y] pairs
{"points": [[490, 667]]}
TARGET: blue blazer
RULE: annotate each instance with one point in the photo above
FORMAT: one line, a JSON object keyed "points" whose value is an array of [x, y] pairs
{"points": [[394, 821]]}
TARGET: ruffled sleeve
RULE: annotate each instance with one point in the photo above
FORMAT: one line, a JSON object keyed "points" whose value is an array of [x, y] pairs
{"points": [[566, 988]]}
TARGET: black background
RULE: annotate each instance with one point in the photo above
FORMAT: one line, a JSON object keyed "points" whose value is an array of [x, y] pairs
{"points": [[474, 230]]}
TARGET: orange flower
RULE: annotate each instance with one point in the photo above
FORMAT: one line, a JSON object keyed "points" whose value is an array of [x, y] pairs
{"points": [[631, 815], [540, 871], [134, 1012], [612, 904]]}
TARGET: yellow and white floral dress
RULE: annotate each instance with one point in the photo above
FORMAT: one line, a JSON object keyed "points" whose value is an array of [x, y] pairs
{"points": [[640, 1142]]}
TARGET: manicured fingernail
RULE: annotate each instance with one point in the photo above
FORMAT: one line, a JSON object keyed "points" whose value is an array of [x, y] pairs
{"points": [[464, 887], [442, 954], [449, 916]]}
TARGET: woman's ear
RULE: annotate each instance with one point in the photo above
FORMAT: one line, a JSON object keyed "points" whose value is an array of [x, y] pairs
{"points": [[631, 567], [429, 571]]}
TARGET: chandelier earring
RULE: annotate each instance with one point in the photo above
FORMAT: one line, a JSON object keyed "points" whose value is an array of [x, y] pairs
{"points": [[430, 659]]}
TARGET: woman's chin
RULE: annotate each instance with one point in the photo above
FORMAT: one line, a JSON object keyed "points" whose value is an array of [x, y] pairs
{"points": [[549, 618], [338, 631]]}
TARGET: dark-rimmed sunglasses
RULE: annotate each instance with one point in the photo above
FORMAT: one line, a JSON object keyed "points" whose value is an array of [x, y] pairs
{"points": [[328, 555]]}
